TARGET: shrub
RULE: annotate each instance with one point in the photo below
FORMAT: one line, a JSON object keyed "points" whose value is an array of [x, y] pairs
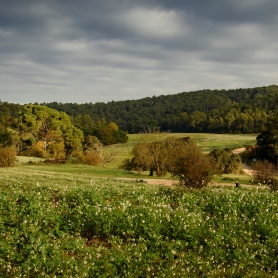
{"points": [[225, 161], [7, 157], [249, 154], [193, 168], [78, 157], [273, 185], [264, 172], [92, 158], [37, 150]]}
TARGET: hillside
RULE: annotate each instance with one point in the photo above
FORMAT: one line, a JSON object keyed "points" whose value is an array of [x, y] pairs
{"points": [[229, 111], [219, 111]]}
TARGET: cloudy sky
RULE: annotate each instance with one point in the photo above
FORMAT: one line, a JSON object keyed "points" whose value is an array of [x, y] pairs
{"points": [[103, 50]]}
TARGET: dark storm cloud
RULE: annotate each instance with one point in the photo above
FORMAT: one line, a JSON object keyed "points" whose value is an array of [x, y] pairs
{"points": [[83, 51]]}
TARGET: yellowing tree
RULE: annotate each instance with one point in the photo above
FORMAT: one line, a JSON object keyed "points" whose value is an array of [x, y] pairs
{"points": [[113, 126]]}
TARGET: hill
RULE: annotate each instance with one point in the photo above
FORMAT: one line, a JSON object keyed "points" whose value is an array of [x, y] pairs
{"points": [[228, 111], [218, 111]]}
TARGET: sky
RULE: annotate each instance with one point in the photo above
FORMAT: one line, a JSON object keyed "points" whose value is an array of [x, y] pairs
{"points": [[86, 51]]}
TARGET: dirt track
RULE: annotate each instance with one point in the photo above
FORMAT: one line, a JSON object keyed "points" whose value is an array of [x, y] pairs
{"points": [[238, 151]]}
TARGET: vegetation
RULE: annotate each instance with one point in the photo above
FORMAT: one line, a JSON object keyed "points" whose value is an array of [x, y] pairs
{"points": [[218, 111], [225, 161], [265, 172], [181, 157], [7, 157], [267, 146], [193, 168], [78, 226], [65, 222], [45, 132]]}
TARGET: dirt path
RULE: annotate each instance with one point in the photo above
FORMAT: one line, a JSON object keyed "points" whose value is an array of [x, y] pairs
{"points": [[153, 181], [245, 168], [238, 151]]}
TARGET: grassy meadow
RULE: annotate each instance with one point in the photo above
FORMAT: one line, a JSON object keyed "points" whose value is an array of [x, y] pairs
{"points": [[83, 221], [206, 141]]}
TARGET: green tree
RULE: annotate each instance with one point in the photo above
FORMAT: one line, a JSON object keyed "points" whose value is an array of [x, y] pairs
{"points": [[267, 146], [85, 123], [42, 124], [188, 163], [225, 161], [179, 156]]}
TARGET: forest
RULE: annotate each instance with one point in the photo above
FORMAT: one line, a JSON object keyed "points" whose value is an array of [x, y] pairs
{"points": [[218, 111]]}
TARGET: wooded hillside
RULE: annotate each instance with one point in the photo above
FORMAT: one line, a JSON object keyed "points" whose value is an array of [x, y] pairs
{"points": [[229, 111]]}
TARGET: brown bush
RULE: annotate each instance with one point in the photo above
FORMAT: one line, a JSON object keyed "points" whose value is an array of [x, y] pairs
{"points": [[92, 158], [7, 157], [266, 173]]}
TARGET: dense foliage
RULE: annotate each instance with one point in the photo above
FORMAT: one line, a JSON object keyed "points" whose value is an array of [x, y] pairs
{"points": [[265, 154], [42, 131], [225, 161], [7, 157], [229, 111], [78, 227]]}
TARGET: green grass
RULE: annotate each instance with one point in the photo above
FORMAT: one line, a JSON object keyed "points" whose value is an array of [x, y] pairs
{"points": [[232, 178], [206, 141], [72, 224], [27, 159]]}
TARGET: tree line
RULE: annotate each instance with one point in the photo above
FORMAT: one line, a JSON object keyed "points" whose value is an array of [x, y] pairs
{"points": [[219, 111], [40, 131]]}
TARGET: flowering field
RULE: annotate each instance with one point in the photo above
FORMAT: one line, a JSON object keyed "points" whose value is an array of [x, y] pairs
{"points": [[58, 225]]}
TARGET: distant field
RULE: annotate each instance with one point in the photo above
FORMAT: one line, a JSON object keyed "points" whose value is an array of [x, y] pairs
{"points": [[206, 141]]}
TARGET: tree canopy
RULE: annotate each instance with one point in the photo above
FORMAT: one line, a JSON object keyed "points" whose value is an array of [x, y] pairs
{"points": [[220, 111], [49, 129], [229, 111]]}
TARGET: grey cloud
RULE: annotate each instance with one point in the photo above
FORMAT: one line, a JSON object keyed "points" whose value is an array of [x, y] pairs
{"points": [[102, 50]]}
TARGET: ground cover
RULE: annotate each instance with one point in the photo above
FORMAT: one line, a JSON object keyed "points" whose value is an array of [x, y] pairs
{"points": [[83, 221], [76, 225]]}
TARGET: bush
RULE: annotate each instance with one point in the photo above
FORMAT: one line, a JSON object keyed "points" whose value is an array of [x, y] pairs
{"points": [[78, 157], [7, 157], [92, 158], [249, 154], [225, 161], [264, 172], [187, 162], [87, 157], [273, 185]]}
